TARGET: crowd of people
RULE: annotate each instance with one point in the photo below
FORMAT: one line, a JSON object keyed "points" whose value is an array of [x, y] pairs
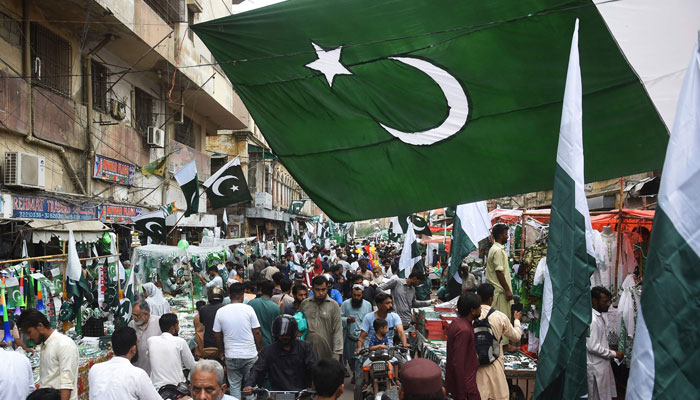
{"points": [[282, 326]]}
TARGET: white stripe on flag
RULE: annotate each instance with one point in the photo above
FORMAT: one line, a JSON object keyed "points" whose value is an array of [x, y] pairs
{"points": [[642, 371], [475, 221], [187, 173], [570, 148], [221, 170]]}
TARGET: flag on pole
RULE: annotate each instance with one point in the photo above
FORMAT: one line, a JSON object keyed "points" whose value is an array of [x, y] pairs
{"points": [[187, 179], [126, 304], [471, 224], [485, 83], [295, 206], [664, 358], [152, 225], [227, 185], [410, 256], [561, 370]]}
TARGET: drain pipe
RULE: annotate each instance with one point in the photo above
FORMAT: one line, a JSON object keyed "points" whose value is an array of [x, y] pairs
{"points": [[27, 71], [90, 112]]}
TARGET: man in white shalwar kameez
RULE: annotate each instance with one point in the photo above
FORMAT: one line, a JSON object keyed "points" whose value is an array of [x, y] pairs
{"points": [[601, 382]]}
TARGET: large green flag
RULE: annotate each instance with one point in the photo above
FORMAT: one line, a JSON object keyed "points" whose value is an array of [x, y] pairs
{"points": [[355, 96], [664, 360], [561, 370]]}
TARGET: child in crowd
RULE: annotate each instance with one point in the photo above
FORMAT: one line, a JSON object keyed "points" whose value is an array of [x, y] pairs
{"points": [[378, 341]]}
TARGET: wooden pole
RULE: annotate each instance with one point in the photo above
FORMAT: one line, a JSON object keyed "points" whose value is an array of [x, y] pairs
{"points": [[619, 232]]}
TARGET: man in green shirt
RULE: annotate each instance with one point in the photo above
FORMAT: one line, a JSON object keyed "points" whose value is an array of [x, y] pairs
{"points": [[266, 310], [498, 271]]}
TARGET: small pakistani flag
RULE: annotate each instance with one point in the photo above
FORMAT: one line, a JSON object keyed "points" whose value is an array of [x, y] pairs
{"points": [[76, 284], [410, 256], [224, 225], [420, 226], [187, 179], [561, 370], [126, 304], [152, 225], [227, 186], [664, 358], [296, 206], [471, 224], [156, 167]]}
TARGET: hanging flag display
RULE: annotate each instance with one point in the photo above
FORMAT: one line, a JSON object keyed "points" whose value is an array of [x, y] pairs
{"points": [[477, 85], [662, 366], [152, 225], [410, 256], [227, 186], [76, 284], [187, 179], [561, 370], [224, 225]]}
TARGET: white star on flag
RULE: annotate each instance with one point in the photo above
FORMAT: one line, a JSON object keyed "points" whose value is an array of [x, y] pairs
{"points": [[234, 188], [328, 63]]}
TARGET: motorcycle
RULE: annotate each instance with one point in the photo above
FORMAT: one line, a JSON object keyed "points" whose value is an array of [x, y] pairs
{"points": [[264, 394], [383, 375]]}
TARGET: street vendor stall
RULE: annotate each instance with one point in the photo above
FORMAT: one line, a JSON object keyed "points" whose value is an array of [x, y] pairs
{"points": [[432, 324]]}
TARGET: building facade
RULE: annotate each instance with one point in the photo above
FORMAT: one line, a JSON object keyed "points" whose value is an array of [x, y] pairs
{"points": [[91, 91]]}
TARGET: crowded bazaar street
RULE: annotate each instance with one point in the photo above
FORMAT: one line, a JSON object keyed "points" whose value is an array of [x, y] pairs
{"points": [[349, 199]]}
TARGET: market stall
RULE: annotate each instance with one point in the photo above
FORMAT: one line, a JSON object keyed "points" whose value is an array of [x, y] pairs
{"points": [[432, 324]]}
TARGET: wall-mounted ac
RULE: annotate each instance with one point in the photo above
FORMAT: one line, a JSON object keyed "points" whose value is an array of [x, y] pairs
{"points": [[22, 169], [156, 137], [117, 109]]}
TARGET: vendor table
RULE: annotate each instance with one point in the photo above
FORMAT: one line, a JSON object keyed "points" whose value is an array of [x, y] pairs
{"points": [[520, 368]]}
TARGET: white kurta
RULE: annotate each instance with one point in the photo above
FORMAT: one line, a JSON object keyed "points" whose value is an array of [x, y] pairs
{"points": [[601, 383], [117, 379]]}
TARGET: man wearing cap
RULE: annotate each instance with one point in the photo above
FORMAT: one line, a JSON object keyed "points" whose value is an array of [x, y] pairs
{"points": [[353, 312], [421, 379]]}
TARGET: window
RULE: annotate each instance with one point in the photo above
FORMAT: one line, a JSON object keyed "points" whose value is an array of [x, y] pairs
{"points": [[190, 22], [99, 87], [185, 133], [171, 11], [217, 163], [51, 60], [145, 116]]}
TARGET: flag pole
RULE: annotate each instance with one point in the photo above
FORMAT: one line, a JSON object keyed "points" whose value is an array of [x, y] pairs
{"points": [[182, 216]]}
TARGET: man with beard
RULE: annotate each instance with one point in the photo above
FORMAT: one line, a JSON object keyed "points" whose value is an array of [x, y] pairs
{"points": [[601, 382], [324, 323], [353, 312], [146, 326], [169, 354], [58, 365], [286, 363], [133, 382]]}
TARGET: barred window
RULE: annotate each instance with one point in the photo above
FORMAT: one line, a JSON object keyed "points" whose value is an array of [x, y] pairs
{"points": [[51, 60], [185, 133], [99, 87], [171, 11], [10, 30], [144, 115]]}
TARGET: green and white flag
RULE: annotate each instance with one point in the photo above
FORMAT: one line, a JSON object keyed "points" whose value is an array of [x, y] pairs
{"points": [[227, 186], [127, 303], [355, 96], [664, 359], [295, 206], [410, 256], [76, 284], [152, 225], [561, 369], [187, 179], [471, 224]]}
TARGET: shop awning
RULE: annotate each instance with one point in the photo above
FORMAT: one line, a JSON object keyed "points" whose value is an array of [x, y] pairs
{"points": [[86, 231]]}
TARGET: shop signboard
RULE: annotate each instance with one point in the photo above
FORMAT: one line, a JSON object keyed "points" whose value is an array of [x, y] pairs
{"points": [[43, 208], [121, 214], [113, 171]]}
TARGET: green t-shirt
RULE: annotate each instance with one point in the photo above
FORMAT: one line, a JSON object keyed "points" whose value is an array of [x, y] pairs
{"points": [[266, 310]]}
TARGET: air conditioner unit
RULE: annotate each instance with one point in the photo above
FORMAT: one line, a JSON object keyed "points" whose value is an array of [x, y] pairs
{"points": [[22, 169], [117, 109], [156, 137]]}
